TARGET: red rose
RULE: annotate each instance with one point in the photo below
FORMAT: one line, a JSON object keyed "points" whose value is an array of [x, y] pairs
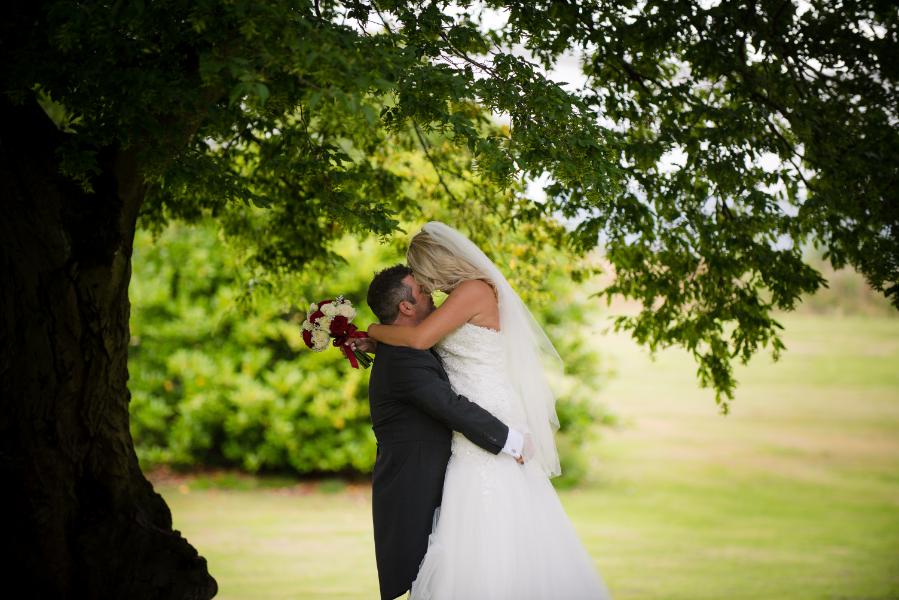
{"points": [[307, 337], [338, 324], [316, 316]]}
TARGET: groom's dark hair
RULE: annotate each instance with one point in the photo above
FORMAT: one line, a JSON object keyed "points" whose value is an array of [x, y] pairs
{"points": [[387, 290]]}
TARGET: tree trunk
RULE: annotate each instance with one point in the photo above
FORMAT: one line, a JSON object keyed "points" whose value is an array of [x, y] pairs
{"points": [[78, 518]]}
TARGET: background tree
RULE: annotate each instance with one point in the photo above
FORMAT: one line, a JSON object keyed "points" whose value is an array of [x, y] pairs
{"points": [[179, 110], [748, 130]]}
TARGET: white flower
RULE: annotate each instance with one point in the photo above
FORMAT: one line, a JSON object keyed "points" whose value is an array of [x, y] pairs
{"points": [[324, 323], [320, 340], [346, 310], [330, 310], [307, 326], [313, 307]]}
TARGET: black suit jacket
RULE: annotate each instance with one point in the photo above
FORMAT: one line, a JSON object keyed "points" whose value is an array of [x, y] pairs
{"points": [[413, 412]]}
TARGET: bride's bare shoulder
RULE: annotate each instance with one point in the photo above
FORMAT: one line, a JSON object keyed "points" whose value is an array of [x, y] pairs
{"points": [[479, 296], [475, 288]]}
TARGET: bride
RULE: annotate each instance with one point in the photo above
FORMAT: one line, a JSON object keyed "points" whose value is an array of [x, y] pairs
{"points": [[500, 532]]}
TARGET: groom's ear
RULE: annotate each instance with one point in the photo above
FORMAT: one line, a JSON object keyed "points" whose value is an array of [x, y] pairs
{"points": [[406, 308]]}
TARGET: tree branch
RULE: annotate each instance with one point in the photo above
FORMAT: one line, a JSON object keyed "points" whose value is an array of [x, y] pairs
{"points": [[424, 147]]}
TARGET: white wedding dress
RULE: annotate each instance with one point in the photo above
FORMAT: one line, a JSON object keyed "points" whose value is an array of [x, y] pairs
{"points": [[500, 532]]}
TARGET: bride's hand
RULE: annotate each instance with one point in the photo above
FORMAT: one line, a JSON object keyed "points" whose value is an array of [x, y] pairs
{"points": [[364, 344]]}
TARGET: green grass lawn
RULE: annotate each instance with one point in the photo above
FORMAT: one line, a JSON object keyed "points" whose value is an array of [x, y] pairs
{"points": [[793, 495]]}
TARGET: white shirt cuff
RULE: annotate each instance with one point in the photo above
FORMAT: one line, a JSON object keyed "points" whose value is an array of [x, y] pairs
{"points": [[514, 443]]}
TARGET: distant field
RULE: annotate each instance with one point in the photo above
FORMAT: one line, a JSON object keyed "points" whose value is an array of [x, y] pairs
{"points": [[794, 495]]}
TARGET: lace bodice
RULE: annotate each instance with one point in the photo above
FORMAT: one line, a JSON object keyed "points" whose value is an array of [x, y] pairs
{"points": [[473, 358]]}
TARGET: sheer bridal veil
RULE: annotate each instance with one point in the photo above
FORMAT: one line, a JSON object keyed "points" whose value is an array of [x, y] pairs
{"points": [[523, 343]]}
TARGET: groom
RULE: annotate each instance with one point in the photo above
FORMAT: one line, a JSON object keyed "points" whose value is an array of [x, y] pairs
{"points": [[414, 412]]}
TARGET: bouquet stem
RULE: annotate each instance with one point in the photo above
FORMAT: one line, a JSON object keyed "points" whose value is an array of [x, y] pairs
{"points": [[364, 359]]}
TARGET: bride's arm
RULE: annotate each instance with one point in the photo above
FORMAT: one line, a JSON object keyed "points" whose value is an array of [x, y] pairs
{"points": [[466, 301]]}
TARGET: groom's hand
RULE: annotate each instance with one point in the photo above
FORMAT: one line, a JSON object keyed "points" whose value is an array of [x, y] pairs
{"points": [[528, 449], [514, 445]]}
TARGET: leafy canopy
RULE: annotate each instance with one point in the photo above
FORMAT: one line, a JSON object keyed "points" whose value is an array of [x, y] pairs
{"points": [[711, 143]]}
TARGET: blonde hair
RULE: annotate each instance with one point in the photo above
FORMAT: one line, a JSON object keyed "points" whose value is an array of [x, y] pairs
{"points": [[435, 267]]}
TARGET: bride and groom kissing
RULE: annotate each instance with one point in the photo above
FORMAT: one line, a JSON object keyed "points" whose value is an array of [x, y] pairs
{"points": [[462, 504]]}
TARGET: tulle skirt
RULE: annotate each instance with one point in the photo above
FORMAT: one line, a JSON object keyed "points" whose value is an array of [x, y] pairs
{"points": [[501, 534]]}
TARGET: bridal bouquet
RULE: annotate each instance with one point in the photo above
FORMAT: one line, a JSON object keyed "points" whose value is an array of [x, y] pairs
{"points": [[330, 320]]}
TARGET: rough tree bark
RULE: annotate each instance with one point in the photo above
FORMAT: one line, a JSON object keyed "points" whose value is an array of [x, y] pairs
{"points": [[79, 519]]}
